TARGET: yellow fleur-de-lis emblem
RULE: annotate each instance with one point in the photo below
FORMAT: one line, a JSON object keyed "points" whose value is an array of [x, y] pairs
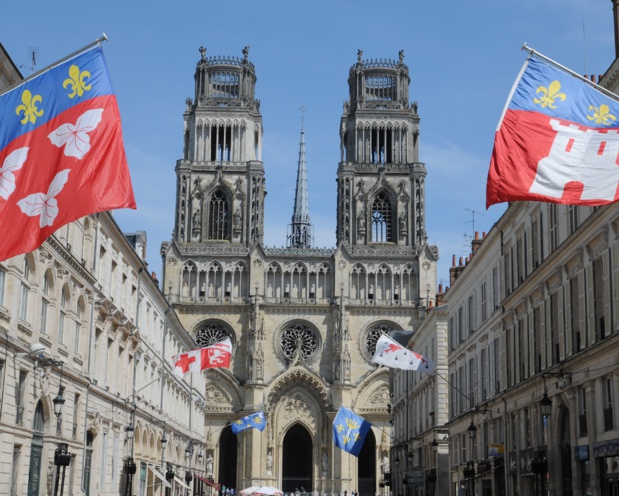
{"points": [[29, 107], [549, 95], [76, 81], [601, 115]]}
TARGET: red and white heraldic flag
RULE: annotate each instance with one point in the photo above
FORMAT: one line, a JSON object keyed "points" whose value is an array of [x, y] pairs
{"points": [[557, 141], [396, 356], [216, 355], [61, 152]]}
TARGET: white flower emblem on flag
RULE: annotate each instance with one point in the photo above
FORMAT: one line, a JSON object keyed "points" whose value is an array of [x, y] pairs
{"points": [[45, 205], [12, 162], [75, 138]]}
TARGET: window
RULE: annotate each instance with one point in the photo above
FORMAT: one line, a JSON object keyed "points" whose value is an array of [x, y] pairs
{"points": [[598, 299], [553, 222], [572, 212], [381, 219], [575, 315], [78, 326], [607, 384], [2, 282], [19, 397], [582, 412], [44, 304], [471, 315], [484, 302], [61, 322], [13, 489], [218, 216], [25, 289], [76, 413]]}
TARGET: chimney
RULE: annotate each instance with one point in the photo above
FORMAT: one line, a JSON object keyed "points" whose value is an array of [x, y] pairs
{"points": [[476, 243]]}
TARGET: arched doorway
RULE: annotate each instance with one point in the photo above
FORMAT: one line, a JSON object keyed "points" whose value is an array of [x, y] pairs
{"points": [[227, 459], [366, 467], [36, 450], [297, 460]]}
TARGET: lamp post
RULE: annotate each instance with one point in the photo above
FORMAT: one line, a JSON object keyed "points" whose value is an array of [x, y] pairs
{"points": [[540, 463], [62, 458], [130, 466], [188, 456], [470, 469]]}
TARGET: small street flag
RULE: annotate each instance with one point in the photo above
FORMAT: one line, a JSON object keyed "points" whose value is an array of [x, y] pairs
{"points": [[396, 356], [349, 431], [61, 152], [253, 421], [214, 356], [557, 140]]}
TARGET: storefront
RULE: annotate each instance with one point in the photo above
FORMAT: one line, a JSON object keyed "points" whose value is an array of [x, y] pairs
{"points": [[606, 454]]}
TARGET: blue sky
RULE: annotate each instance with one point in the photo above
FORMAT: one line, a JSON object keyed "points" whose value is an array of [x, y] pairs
{"points": [[463, 58]]}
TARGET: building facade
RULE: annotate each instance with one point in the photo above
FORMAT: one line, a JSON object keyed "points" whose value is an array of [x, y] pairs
{"points": [[534, 374], [304, 321], [85, 370]]}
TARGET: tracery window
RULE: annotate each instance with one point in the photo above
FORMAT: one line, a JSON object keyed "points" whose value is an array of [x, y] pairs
{"points": [[299, 339], [218, 216], [372, 336], [210, 334], [381, 219]]}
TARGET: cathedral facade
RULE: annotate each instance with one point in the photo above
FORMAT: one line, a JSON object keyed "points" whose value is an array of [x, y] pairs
{"points": [[303, 321]]}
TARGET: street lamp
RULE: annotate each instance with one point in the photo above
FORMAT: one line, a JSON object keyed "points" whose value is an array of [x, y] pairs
{"points": [[59, 402], [545, 405], [62, 458], [130, 466], [469, 472]]}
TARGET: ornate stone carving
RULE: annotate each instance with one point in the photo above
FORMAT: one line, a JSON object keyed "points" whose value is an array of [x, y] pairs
{"points": [[380, 396], [214, 395]]}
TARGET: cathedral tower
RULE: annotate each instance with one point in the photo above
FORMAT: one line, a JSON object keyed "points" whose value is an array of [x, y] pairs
{"points": [[220, 180], [381, 183]]}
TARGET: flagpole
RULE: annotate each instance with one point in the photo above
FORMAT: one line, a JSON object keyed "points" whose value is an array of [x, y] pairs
{"points": [[569, 71], [98, 41]]}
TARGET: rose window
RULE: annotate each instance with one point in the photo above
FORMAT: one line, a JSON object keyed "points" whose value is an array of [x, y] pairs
{"points": [[372, 336], [211, 334], [298, 338]]}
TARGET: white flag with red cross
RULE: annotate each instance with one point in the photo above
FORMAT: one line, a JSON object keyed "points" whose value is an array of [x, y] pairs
{"points": [[214, 356]]}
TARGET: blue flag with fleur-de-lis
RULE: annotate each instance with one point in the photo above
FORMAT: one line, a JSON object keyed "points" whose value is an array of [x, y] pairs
{"points": [[253, 421], [349, 431]]}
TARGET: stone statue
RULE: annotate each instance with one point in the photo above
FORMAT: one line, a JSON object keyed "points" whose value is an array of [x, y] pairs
{"points": [[209, 464], [237, 219], [246, 52], [269, 463], [359, 55], [197, 216], [325, 463], [384, 465], [202, 51], [401, 56], [402, 221]]}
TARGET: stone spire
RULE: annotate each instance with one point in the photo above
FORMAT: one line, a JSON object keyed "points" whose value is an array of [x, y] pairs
{"points": [[301, 231]]}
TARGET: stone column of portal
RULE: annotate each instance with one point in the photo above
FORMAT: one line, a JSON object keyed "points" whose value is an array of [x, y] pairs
{"points": [[253, 471], [342, 464]]}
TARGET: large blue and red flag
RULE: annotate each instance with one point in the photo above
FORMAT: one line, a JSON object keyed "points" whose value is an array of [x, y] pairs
{"points": [[557, 141], [61, 152]]}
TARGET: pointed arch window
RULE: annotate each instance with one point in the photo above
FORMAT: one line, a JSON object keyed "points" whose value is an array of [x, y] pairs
{"points": [[381, 219], [218, 216]]}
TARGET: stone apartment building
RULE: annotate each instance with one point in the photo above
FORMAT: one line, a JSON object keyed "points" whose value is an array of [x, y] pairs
{"points": [[84, 327]]}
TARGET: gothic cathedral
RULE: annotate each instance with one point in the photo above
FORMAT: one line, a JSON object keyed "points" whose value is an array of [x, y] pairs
{"points": [[303, 321]]}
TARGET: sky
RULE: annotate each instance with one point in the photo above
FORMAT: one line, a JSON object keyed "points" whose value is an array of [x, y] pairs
{"points": [[463, 58]]}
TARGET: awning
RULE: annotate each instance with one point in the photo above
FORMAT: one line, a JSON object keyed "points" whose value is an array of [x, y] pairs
{"points": [[206, 481], [159, 476], [180, 482]]}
